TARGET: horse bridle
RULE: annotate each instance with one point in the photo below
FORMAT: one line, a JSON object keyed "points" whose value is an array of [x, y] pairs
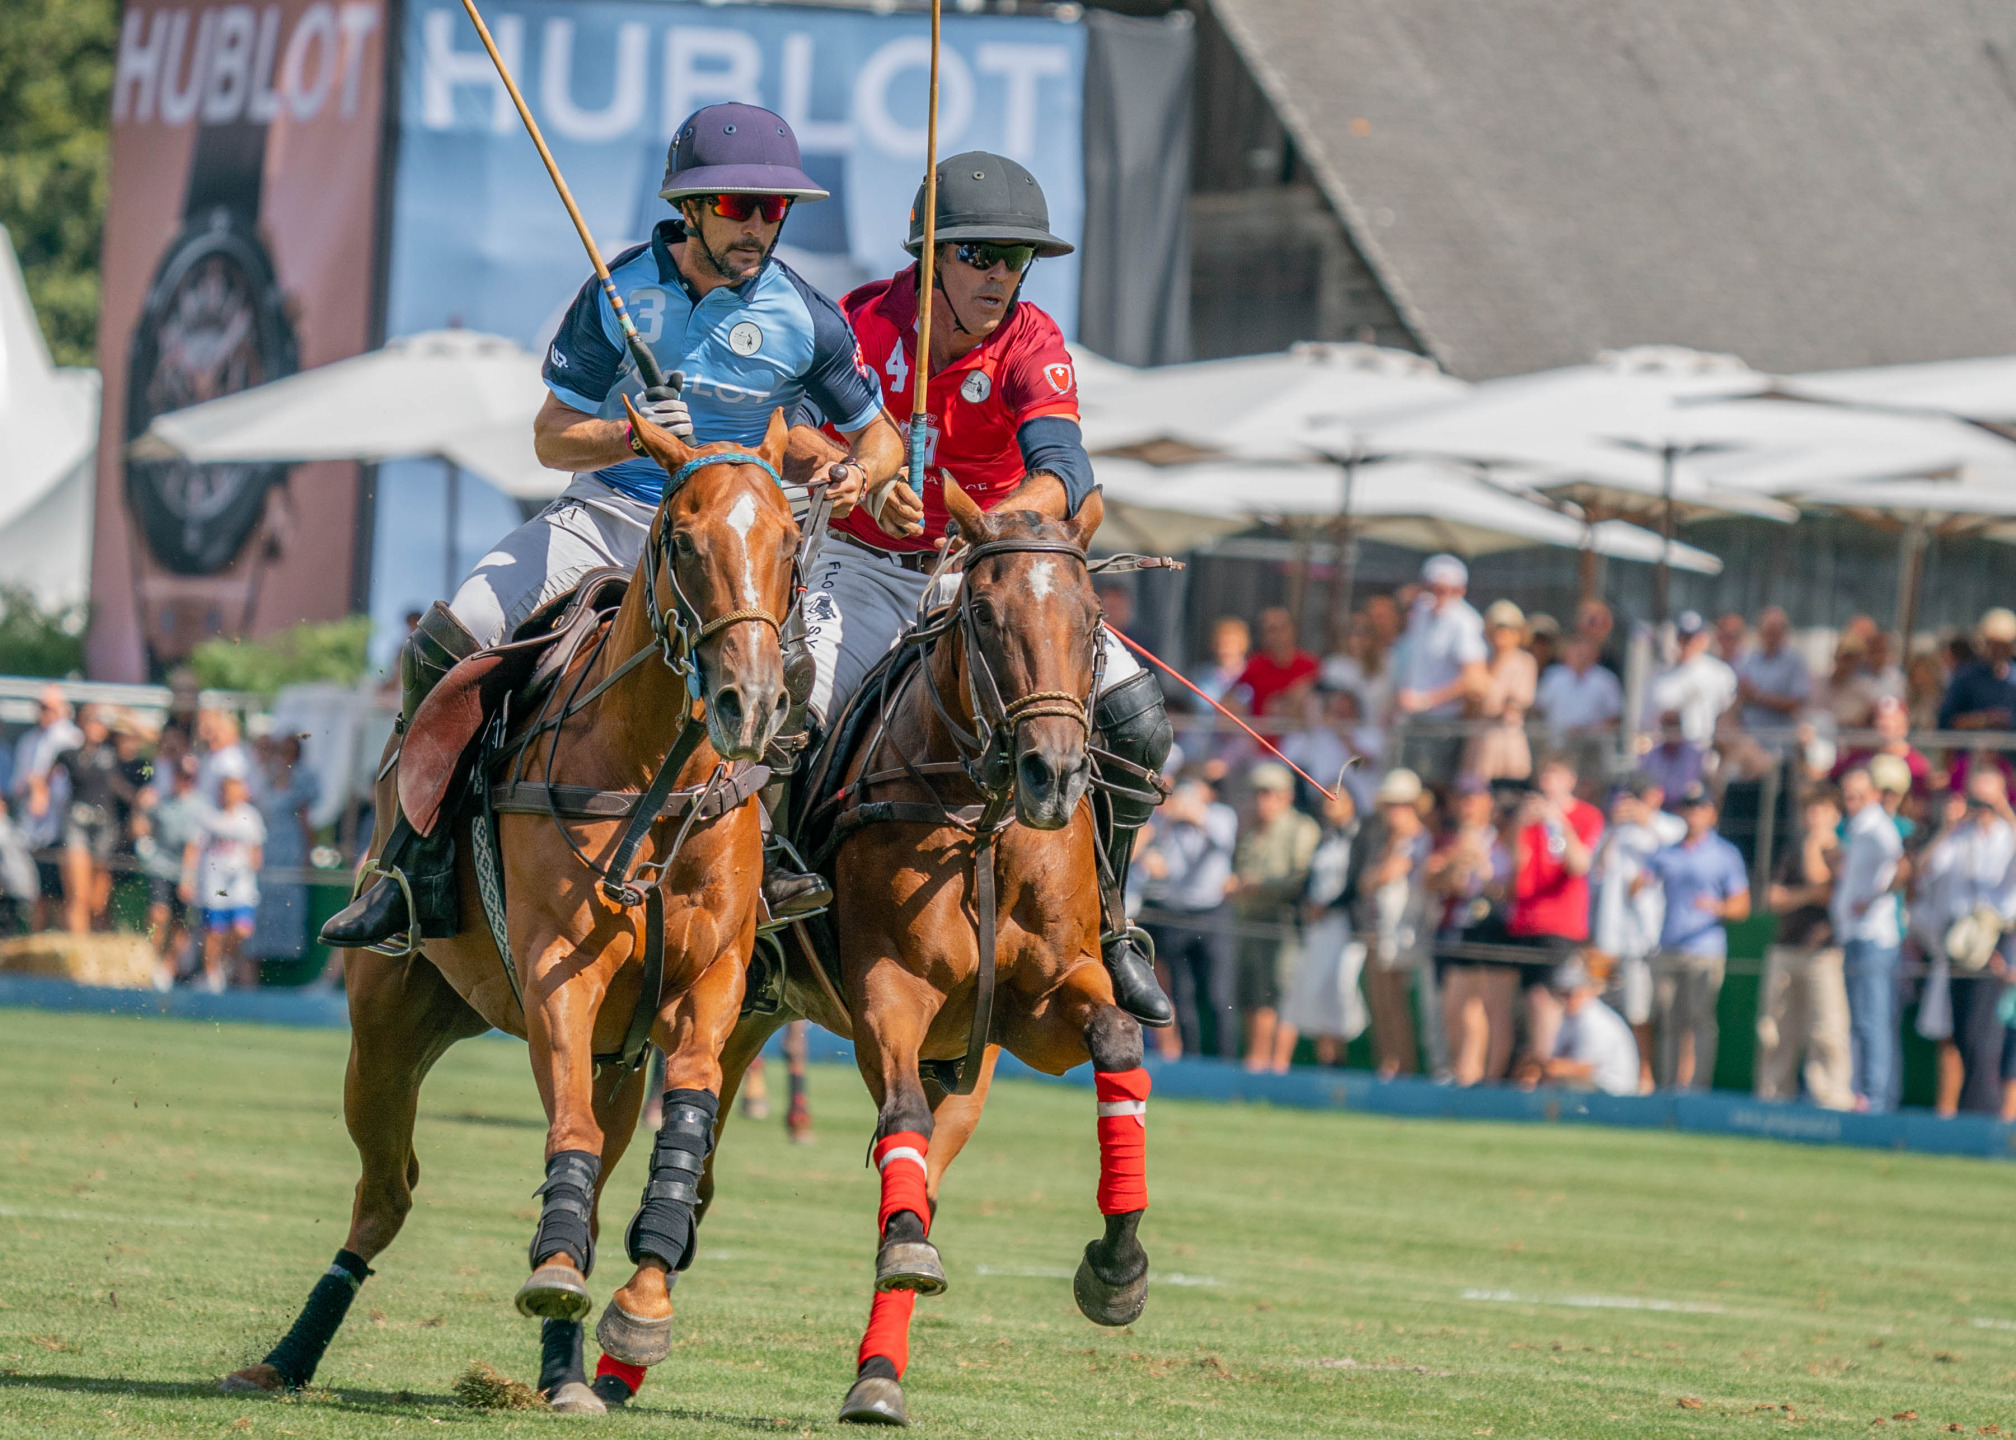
{"points": [[677, 643], [986, 751]]}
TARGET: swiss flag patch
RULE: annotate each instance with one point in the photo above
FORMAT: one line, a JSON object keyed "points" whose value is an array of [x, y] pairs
{"points": [[1060, 377]]}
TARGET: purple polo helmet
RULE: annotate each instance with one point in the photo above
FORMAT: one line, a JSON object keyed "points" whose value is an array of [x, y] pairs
{"points": [[734, 149]]}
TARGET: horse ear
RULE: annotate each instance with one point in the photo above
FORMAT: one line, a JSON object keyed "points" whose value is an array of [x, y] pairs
{"points": [[661, 445], [1082, 526], [973, 522], [775, 439]]}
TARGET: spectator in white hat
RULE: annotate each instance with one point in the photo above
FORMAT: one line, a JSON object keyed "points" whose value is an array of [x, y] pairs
{"points": [[1699, 685], [1443, 664], [1393, 918]]}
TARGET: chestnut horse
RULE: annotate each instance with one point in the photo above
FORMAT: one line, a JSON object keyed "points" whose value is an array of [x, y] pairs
{"points": [[996, 708], [699, 626]]}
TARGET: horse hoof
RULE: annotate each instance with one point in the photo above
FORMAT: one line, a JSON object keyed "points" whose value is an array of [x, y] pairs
{"points": [[574, 1398], [874, 1400], [1102, 1301], [555, 1292], [909, 1265], [631, 1338], [260, 1379]]}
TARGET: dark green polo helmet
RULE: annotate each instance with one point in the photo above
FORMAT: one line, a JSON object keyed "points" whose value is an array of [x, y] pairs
{"points": [[987, 197]]}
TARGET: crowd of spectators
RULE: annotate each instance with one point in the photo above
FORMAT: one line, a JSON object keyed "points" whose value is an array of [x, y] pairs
{"points": [[216, 830], [1491, 852]]}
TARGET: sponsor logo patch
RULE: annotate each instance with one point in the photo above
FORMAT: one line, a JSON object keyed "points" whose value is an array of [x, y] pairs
{"points": [[1060, 377], [977, 387], [747, 338]]}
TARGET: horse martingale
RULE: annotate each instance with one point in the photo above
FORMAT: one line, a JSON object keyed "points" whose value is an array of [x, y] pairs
{"points": [[985, 757], [679, 632]]}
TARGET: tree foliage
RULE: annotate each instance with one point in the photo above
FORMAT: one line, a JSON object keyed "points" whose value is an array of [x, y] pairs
{"points": [[56, 59], [38, 641], [337, 650]]}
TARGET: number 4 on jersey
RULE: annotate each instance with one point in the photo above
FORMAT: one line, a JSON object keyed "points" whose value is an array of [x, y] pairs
{"points": [[897, 368]]}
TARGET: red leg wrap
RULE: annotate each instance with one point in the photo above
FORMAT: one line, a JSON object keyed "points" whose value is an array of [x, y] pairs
{"points": [[901, 1159], [889, 1330], [1123, 1140], [631, 1375]]}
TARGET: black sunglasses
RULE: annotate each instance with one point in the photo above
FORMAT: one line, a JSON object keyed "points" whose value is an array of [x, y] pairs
{"points": [[985, 255]]}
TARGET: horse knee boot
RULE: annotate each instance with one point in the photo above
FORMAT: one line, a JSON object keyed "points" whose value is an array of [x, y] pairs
{"points": [[663, 1228], [427, 862], [1135, 735]]}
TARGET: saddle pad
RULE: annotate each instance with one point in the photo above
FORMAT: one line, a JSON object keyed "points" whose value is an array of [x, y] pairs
{"points": [[447, 726]]}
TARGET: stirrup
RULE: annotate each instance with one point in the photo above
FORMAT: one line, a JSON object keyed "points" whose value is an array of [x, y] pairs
{"points": [[407, 943], [771, 922]]}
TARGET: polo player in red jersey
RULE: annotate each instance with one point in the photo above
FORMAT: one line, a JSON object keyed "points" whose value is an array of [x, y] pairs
{"points": [[1002, 407]]}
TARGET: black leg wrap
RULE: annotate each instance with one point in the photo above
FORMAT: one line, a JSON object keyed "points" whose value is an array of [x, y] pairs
{"points": [[569, 1196], [664, 1223], [560, 1358], [297, 1355], [880, 1366]]}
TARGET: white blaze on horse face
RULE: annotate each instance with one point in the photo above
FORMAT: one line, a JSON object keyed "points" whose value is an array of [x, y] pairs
{"points": [[1041, 575], [740, 518]]}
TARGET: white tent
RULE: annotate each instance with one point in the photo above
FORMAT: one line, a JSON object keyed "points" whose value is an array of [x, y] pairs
{"points": [[48, 442], [462, 396], [1420, 505]]}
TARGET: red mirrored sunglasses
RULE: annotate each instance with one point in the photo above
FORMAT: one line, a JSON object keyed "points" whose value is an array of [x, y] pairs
{"points": [[741, 207]]}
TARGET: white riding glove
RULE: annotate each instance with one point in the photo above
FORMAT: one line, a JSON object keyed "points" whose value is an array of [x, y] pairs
{"points": [[668, 413]]}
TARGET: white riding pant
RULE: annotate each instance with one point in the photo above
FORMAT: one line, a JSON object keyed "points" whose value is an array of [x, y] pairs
{"points": [[858, 604], [589, 526]]}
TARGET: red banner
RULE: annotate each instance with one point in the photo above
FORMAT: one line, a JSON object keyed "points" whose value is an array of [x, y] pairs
{"points": [[239, 247]]}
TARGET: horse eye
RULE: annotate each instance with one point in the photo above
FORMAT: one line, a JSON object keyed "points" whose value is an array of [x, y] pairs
{"points": [[683, 543], [983, 612]]}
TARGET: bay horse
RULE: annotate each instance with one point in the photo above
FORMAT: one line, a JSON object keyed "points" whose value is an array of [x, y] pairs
{"points": [[967, 928], [589, 897]]}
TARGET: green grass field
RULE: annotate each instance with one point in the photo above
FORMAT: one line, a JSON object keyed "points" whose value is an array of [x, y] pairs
{"points": [[171, 1190]]}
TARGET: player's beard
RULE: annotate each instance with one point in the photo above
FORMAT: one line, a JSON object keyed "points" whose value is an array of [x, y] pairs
{"points": [[721, 262]]}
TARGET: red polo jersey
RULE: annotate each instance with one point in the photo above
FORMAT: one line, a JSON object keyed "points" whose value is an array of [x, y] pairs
{"points": [[974, 406]]}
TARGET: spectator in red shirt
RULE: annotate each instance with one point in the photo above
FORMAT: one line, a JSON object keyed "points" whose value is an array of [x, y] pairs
{"points": [[1553, 848], [1280, 667]]}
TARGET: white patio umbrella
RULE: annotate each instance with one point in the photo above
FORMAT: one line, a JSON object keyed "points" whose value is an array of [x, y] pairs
{"points": [[459, 396], [1919, 510], [1300, 403], [48, 434], [1419, 505], [1981, 390], [1652, 433]]}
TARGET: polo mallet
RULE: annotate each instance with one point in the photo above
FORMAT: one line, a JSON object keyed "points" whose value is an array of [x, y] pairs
{"points": [[657, 384], [920, 376]]}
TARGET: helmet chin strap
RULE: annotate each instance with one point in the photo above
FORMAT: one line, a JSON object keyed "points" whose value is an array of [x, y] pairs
{"points": [[938, 284]]}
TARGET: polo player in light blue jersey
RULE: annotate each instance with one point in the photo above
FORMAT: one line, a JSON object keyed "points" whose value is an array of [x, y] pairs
{"points": [[710, 300]]}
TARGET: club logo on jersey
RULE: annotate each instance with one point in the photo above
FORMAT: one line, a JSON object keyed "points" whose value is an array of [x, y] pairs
{"points": [[558, 361], [1060, 377], [861, 364], [977, 387], [747, 338]]}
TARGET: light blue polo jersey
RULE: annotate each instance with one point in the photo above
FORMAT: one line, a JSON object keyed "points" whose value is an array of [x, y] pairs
{"points": [[747, 350]]}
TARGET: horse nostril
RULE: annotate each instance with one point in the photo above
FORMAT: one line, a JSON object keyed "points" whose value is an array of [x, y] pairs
{"points": [[728, 705], [1036, 775]]}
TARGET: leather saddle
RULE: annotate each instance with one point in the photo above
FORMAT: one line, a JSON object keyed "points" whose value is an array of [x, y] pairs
{"points": [[442, 736]]}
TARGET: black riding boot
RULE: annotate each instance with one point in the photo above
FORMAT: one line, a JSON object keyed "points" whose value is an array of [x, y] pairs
{"points": [[1134, 731], [426, 861]]}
